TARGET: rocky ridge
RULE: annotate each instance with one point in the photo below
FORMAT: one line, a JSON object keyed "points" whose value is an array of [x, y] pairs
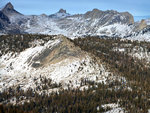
{"points": [[54, 58], [94, 23]]}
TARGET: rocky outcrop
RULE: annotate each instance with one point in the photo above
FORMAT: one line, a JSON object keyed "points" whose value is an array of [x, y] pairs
{"points": [[7, 15], [110, 16], [129, 17], [142, 25], [9, 10], [32, 57], [62, 11], [60, 14], [94, 23], [3, 17], [4, 20], [63, 50]]}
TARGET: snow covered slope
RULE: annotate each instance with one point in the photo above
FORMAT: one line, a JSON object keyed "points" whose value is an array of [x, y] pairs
{"points": [[77, 25], [54, 59], [94, 23], [141, 35], [148, 21]]}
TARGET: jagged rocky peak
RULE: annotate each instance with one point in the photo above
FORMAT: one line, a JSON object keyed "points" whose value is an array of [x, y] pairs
{"points": [[62, 11], [9, 10], [141, 25], [60, 14], [9, 6], [43, 15]]}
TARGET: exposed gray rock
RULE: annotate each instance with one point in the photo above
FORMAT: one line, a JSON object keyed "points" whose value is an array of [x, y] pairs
{"points": [[96, 22], [4, 20], [9, 10], [62, 11]]}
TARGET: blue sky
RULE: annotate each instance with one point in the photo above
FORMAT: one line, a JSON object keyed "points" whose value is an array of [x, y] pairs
{"points": [[135, 7]]}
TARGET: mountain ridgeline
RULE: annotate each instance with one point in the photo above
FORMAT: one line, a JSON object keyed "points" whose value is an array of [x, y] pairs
{"points": [[61, 74], [93, 23], [97, 62]]}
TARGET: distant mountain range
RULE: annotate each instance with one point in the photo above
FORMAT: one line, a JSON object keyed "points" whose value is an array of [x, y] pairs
{"points": [[139, 18], [52, 73], [94, 23]]}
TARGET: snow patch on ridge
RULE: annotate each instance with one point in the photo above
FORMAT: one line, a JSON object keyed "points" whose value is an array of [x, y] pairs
{"points": [[141, 37], [117, 29]]}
